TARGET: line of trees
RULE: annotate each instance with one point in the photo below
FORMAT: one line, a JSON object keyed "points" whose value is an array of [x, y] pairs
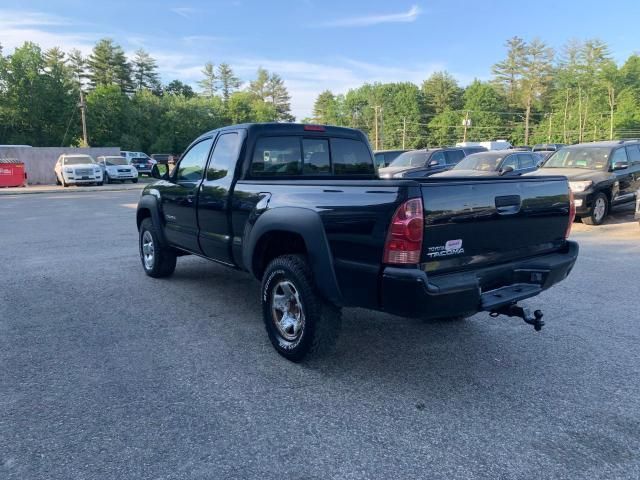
{"points": [[535, 95], [126, 103]]}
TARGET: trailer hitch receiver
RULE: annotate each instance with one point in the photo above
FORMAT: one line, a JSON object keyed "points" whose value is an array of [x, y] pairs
{"points": [[515, 310]]}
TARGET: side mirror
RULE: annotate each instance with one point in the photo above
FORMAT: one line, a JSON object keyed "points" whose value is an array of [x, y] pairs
{"points": [[160, 171], [505, 170], [620, 165], [433, 163]]}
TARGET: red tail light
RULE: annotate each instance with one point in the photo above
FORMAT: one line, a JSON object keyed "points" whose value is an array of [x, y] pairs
{"points": [[404, 240], [572, 214], [314, 128]]}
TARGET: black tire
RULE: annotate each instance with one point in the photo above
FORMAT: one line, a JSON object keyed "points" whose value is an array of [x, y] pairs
{"points": [[64, 184], [58, 180], [106, 179], [135, 180], [163, 262], [597, 216], [321, 321], [99, 184]]}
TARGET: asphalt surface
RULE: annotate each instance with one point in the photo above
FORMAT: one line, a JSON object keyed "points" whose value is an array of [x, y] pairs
{"points": [[106, 373]]}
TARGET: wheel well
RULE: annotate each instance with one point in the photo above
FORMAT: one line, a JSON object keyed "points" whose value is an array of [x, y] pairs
{"points": [[274, 244], [141, 215]]}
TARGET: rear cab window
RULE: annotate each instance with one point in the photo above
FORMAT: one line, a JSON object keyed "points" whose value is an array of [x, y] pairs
{"points": [[301, 156]]}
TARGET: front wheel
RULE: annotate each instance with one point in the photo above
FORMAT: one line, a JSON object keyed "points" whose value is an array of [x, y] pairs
{"points": [[598, 211], [298, 321], [158, 261], [135, 180]]}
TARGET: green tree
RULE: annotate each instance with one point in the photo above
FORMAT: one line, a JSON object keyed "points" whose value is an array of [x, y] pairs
{"points": [[278, 96], [441, 92], [208, 83], [176, 87], [509, 72], [485, 105], [108, 65], [108, 115], [227, 81], [258, 86], [536, 78], [145, 71], [327, 109]]}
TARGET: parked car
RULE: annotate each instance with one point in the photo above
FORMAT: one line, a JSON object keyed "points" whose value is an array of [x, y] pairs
{"points": [[547, 147], [116, 168], [131, 155], [426, 162], [601, 175], [143, 164], [77, 169], [495, 163], [162, 158], [489, 145], [385, 157], [299, 206]]}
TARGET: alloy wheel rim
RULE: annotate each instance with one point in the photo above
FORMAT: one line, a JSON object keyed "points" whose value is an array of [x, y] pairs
{"points": [[286, 310], [598, 210], [147, 249]]}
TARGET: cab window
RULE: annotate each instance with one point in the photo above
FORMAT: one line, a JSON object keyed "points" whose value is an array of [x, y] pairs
{"points": [[224, 156], [633, 152], [620, 155], [510, 161], [191, 166], [438, 157], [526, 161], [454, 156]]}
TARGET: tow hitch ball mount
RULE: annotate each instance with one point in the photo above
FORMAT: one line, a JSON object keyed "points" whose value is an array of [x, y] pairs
{"points": [[524, 313]]}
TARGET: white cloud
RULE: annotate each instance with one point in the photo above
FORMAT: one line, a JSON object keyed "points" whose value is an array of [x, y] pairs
{"points": [[368, 20], [185, 12]]}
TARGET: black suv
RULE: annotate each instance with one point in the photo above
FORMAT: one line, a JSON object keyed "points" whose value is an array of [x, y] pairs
{"points": [[423, 163], [601, 175]]}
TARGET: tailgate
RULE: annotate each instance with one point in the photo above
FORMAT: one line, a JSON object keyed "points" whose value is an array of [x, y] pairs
{"points": [[480, 222]]}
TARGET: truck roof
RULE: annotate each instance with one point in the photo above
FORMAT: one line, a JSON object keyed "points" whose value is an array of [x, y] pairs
{"points": [[284, 128]]}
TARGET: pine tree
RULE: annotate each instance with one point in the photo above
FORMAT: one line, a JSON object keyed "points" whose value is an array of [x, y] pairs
{"points": [[107, 65], [144, 69], [259, 86], [176, 87], [208, 83], [508, 73], [278, 95], [441, 92], [227, 81], [78, 65]]}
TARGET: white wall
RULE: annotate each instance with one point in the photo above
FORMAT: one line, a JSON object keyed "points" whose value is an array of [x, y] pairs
{"points": [[39, 161]]}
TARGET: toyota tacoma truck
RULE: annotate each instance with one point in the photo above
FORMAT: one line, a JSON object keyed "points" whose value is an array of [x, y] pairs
{"points": [[301, 209]]}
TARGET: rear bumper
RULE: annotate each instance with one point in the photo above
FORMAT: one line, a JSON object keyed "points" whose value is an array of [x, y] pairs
{"points": [[412, 293]]}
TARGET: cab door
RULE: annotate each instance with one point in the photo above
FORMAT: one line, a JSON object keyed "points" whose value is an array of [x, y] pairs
{"points": [[633, 155], [179, 197], [623, 175], [214, 198]]}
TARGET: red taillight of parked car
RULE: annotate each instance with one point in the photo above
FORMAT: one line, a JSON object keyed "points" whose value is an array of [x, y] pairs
{"points": [[572, 214], [404, 239]]}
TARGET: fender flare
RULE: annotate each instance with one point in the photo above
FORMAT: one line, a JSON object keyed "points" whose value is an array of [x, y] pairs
{"points": [[309, 226], [149, 201]]}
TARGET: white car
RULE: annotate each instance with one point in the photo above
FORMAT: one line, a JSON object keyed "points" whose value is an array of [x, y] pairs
{"points": [[77, 169], [117, 168], [131, 155]]}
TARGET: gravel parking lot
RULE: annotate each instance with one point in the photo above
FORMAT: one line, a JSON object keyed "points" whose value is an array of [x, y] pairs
{"points": [[106, 373]]}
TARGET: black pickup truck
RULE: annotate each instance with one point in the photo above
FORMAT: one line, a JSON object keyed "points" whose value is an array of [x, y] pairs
{"points": [[300, 207]]}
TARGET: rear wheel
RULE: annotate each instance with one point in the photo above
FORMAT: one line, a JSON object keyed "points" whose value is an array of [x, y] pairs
{"points": [[158, 261], [298, 321], [599, 210]]}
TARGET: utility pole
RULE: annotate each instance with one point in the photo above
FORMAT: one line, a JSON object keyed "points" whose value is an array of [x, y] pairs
{"points": [[549, 131], [404, 131], [466, 124], [83, 109]]}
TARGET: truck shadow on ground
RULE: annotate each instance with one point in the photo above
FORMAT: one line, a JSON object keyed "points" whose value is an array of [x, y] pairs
{"points": [[402, 353]]}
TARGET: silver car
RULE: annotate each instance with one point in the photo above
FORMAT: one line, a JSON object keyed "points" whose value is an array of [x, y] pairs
{"points": [[116, 168]]}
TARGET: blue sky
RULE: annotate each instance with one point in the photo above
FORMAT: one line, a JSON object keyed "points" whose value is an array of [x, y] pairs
{"points": [[320, 44]]}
